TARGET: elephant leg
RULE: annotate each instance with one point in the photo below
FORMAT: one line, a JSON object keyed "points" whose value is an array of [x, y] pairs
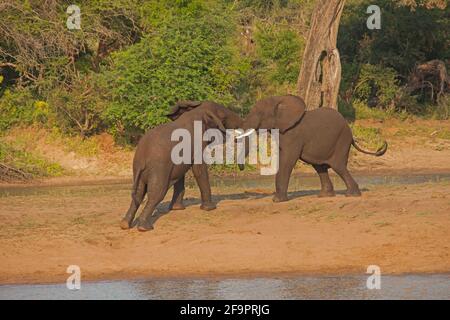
{"points": [[137, 197], [155, 195], [283, 176], [327, 189], [201, 176], [178, 194], [352, 186]]}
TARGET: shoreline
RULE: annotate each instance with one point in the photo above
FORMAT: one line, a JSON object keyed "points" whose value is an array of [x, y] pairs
{"points": [[401, 228], [138, 277], [68, 181]]}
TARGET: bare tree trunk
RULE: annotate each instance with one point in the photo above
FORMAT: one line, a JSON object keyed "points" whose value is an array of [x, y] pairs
{"points": [[320, 75]]}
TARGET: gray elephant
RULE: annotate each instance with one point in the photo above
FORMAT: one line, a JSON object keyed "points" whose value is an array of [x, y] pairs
{"points": [[319, 137], [154, 172]]}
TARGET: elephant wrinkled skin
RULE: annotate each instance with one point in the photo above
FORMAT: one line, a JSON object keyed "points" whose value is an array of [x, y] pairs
{"points": [[153, 169], [319, 137]]}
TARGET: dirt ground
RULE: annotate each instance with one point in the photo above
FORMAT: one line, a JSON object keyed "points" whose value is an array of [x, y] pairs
{"points": [[414, 146], [401, 228]]}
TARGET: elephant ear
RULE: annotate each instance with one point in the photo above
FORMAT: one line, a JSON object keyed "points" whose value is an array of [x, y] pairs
{"points": [[212, 121], [288, 114], [181, 107]]}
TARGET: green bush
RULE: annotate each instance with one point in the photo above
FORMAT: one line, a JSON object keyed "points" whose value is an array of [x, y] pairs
{"points": [[377, 63], [133, 59], [78, 110], [370, 91], [263, 6], [27, 162], [442, 110], [377, 83], [188, 56], [362, 111], [16, 107], [406, 36], [280, 53]]}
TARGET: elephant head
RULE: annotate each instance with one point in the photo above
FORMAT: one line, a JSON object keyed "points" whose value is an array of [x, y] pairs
{"points": [[181, 107], [282, 112], [213, 114]]}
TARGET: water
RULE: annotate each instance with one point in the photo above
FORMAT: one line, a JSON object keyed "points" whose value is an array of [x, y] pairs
{"points": [[325, 287], [297, 182]]}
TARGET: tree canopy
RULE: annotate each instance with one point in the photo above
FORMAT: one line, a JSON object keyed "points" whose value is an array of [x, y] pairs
{"points": [[132, 59]]}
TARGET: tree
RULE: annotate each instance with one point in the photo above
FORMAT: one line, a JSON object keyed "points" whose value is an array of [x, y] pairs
{"points": [[36, 44], [320, 75]]}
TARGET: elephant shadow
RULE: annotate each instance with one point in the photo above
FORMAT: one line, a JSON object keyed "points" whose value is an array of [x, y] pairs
{"points": [[163, 208]]}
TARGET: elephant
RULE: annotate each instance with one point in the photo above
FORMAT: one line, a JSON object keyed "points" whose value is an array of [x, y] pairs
{"points": [[154, 172], [320, 137]]}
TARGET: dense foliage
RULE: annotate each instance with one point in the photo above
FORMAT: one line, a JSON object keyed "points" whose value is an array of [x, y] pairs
{"points": [[377, 63], [132, 59], [183, 58]]}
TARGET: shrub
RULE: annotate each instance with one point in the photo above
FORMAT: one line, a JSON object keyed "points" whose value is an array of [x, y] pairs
{"points": [[376, 63], [442, 110], [16, 107], [27, 162], [78, 110], [377, 85], [362, 111], [407, 36], [187, 56], [280, 53]]}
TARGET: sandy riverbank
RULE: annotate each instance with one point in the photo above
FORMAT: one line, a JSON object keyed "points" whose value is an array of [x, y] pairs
{"points": [[401, 228]]}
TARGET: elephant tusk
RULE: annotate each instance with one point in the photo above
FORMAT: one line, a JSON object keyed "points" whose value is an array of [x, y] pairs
{"points": [[238, 132], [245, 134]]}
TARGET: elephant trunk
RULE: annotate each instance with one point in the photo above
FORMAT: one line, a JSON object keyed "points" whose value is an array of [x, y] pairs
{"points": [[243, 137], [250, 125]]}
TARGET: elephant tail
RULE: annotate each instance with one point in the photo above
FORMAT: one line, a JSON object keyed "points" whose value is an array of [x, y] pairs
{"points": [[382, 150], [136, 181]]}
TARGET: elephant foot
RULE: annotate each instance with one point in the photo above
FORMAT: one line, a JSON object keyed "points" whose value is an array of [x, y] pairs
{"points": [[277, 198], [125, 224], [178, 206], [208, 206], [144, 226], [326, 194], [353, 193]]}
